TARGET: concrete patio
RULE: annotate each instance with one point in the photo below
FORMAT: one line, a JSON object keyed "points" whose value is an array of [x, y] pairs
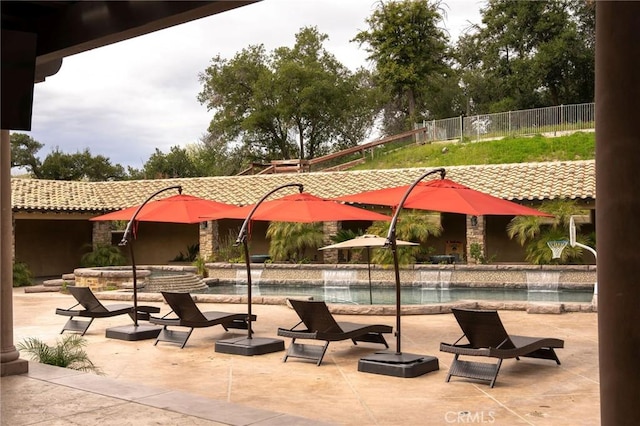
{"points": [[165, 385]]}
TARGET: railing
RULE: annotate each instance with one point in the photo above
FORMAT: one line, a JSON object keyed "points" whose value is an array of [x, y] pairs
{"points": [[562, 118], [547, 121]]}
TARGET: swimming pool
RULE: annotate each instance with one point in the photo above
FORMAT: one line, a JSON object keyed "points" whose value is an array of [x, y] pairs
{"points": [[413, 295]]}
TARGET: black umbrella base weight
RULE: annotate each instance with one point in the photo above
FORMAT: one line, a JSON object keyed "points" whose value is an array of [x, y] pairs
{"points": [[249, 347], [133, 332], [398, 365]]}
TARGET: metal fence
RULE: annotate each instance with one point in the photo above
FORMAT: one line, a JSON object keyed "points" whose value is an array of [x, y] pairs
{"points": [[553, 120]]}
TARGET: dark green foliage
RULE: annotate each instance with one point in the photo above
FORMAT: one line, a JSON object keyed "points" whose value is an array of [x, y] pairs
{"points": [[103, 255], [23, 152], [191, 254], [289, 240], [68, 352], [21, 275], [297, 102], [529, 54], [228, 251], [407, 43], [534, 232], [412, 226]]}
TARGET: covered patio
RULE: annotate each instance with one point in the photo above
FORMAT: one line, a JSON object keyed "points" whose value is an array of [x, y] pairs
{"points": [[618, 157]]}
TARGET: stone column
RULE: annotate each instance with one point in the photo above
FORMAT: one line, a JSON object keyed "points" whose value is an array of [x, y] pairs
{"points": [[9, 359], [618, 208], [476, 234], [330, 229], [101, 233], [209, 239]]}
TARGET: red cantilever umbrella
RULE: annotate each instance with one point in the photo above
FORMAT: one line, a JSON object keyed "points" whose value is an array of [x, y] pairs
{"points": [[444, 195], [302, 207], [180, 208]]}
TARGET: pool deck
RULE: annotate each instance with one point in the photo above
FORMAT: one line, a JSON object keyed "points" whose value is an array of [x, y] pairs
{"points": [[166, 385]]}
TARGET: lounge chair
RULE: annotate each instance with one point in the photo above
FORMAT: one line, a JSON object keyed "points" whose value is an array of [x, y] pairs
{"points": [[487, 337], [93, 309], [320, 325], [185, 313]]}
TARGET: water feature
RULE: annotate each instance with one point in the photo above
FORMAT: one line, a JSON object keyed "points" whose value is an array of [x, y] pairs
{"points": [[434, 285], [412, 295], [241, 281], [539, 282], [337, 285]]}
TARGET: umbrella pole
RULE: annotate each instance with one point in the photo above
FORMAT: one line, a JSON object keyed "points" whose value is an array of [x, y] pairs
{"points": [[260, 345], [369, 270], [138, 332], [126, 239], [399, 364], [135, 285], [394, 252], [249, 290], [242, 238]]}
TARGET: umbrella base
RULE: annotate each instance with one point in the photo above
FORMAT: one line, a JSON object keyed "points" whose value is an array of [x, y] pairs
{"points": [[398, 365], [249, 347], [133, 332]]}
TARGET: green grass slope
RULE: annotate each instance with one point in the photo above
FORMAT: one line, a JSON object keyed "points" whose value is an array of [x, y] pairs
{"points": [[577, 146]]}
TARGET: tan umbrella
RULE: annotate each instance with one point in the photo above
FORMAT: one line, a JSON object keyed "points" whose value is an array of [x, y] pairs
{"points": [[366, 241]]}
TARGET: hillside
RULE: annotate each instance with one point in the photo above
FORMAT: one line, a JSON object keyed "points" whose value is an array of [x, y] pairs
{"points": [[577, 146]]}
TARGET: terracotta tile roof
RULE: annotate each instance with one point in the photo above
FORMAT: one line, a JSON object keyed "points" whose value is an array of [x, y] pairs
{"points": [[517, 182]]}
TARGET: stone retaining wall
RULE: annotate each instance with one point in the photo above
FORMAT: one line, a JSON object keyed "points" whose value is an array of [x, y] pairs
{"points": [[456, 275], [117, 277]]}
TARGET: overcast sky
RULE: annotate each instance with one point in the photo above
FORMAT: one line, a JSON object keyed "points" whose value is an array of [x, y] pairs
{"points": [[124, 100]]}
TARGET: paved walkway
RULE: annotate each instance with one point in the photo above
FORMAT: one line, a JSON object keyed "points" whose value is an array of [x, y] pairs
{"points": [[165, 385]]}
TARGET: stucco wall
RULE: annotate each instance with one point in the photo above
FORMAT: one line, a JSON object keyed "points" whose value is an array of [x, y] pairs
{"points": [[52, 247]]}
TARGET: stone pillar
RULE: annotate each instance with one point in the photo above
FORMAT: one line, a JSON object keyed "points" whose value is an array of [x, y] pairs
{"points": [[101, 233], [476, 234], [618, 208], [330, 229], [209, 239], [9, 359]]}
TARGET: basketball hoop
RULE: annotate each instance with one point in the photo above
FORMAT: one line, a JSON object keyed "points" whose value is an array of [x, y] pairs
{"points": [[557, 247]]}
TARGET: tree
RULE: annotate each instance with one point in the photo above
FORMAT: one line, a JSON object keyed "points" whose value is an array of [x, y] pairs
{"points": [[176, 163], [23, 152], [78, 166], [529, 55], [409, 50], [289, 240], [293, 101], [215, 157], [533, 232]]}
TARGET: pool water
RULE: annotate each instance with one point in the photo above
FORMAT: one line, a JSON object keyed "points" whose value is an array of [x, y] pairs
{"points": [[409, 296]]}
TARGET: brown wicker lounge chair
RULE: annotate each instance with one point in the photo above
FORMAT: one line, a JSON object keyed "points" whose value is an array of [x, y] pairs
{"points": [[487, 337], [185, 313], [320, 325], [93, 309]]}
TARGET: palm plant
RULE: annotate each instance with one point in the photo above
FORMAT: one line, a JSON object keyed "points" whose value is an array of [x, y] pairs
{"points": [[103, 255], [289, 240], [412, 226], [534, 232], [345, 235], [68, 352]]}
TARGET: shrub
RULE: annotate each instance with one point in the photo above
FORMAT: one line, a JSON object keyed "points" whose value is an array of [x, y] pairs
{"points": [[191, 255], [21, 275], [228, 251], [68, 352], [103, 255]]}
